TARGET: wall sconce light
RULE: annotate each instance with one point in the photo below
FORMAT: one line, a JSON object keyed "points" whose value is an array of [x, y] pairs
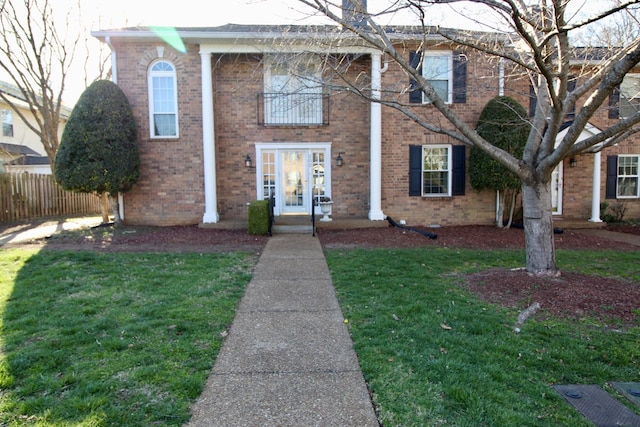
{"points": [[573, 162], [339, 160], [247, 161]]}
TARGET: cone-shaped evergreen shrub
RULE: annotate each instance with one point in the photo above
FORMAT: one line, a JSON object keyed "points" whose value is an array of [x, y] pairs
{"points": [[504, 123], [99, 146]]}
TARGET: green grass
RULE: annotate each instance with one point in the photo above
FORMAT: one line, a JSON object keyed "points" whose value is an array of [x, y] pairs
{"points": [[96, 339], [479, 372]]}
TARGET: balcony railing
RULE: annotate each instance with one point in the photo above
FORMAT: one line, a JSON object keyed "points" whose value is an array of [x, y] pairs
{"points": [[293, 109]]}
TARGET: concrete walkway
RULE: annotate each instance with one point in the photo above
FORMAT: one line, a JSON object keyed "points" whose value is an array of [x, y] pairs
{"points": [[288, 359]]}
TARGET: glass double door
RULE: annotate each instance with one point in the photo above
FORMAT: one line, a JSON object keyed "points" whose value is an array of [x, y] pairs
{"points": [[295, 176]]}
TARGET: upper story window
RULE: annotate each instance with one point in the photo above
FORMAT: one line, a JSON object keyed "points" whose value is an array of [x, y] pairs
{"points": [[445, 70], [628, 176], [630, 95], [163, 100], [7, 123], [293, 92], [437, 68]]}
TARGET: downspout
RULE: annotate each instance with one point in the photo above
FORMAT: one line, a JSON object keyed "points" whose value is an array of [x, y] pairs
{"points": [[375, 163], [501, 93], [114, 78], [595, 190]]}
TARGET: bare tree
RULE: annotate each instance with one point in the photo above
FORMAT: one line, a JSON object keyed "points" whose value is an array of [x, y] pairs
{"points": [[615, 31], [535, 46], [36, 51]]}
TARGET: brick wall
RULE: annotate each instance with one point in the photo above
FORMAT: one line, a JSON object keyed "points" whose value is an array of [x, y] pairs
{"points": [[171, 187]]}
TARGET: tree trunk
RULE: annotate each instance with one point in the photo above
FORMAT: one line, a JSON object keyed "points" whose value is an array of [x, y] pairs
{"points": [[500, 209], [117, 222], [538, 229], [105, 208], [514, 194]]}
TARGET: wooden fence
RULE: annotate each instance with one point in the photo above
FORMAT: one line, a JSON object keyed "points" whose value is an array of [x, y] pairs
{"points": [[28, 196]]}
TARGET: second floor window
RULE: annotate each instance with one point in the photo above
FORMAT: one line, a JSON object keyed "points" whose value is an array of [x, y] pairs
{"points": [[292, 92], [437, 67], [630, 95], [7, 123], [163, 101]]}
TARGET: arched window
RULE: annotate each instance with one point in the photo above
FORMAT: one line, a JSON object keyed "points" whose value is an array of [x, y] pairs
{"points": [[163, 100]]}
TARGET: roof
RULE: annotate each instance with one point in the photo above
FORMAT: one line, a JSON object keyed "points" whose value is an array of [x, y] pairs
{"points": [[22, 150], [31, 161], [271, 32], [16, 92]]}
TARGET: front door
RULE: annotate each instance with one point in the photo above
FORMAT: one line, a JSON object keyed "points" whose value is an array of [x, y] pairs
{"points": [[294, 174], [294, 194]]}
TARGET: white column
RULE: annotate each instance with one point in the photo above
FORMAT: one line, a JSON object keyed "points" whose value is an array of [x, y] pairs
{"points": [[208, 142], [595, 191], [375, 173]]}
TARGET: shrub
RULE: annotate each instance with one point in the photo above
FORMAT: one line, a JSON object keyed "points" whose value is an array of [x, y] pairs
{"points": [[612, 213], [258, 217], [99, 146]]}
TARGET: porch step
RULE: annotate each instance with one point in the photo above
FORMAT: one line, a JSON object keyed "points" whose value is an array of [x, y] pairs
{"points": [[292, 229]]}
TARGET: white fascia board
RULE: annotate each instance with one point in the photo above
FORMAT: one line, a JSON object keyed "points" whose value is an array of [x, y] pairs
{"points": [[254, 42], [236, 47]]}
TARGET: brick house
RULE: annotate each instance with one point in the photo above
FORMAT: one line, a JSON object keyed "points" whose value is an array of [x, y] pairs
{"points": [[227, 115]]}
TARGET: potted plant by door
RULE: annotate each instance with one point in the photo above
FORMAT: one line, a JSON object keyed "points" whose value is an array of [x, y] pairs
{"points": [[325, 207]]}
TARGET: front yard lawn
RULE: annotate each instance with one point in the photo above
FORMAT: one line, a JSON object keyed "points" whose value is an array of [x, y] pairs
{"points": [[433, 353], [118, 339]]}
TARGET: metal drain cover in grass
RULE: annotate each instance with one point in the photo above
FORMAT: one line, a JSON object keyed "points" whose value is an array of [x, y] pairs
{"points": [[630, 390], [598, 406]]}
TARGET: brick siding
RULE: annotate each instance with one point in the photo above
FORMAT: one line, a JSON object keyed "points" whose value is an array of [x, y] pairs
{"points": [[171, 186]]}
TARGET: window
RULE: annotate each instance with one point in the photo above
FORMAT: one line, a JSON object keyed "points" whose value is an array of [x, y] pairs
{"points": [[163, 102], [7, 123], [630, 95], [437, 68], [293, 92], [447, 73], [628, 176], [437, 170]]}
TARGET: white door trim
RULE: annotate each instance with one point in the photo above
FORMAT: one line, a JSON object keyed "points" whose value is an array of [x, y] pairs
{"points": [[278, 149]]}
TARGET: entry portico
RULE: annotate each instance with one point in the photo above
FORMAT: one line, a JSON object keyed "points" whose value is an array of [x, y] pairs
{"points": [[314, 172]]}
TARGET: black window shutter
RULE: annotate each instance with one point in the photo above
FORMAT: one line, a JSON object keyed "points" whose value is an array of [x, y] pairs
{"points": [[533, 101], [614, 103], [415, 95], [415, 170], [612, 177], [571, 86], [458, 170], [459, 78]]}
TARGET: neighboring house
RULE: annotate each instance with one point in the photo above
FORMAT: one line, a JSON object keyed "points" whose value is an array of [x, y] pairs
{"points": [[20, 148], [241, 114]]}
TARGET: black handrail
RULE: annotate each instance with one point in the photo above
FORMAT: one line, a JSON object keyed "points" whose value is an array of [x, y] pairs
{"points": [[314, 202], [272, 204]]}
